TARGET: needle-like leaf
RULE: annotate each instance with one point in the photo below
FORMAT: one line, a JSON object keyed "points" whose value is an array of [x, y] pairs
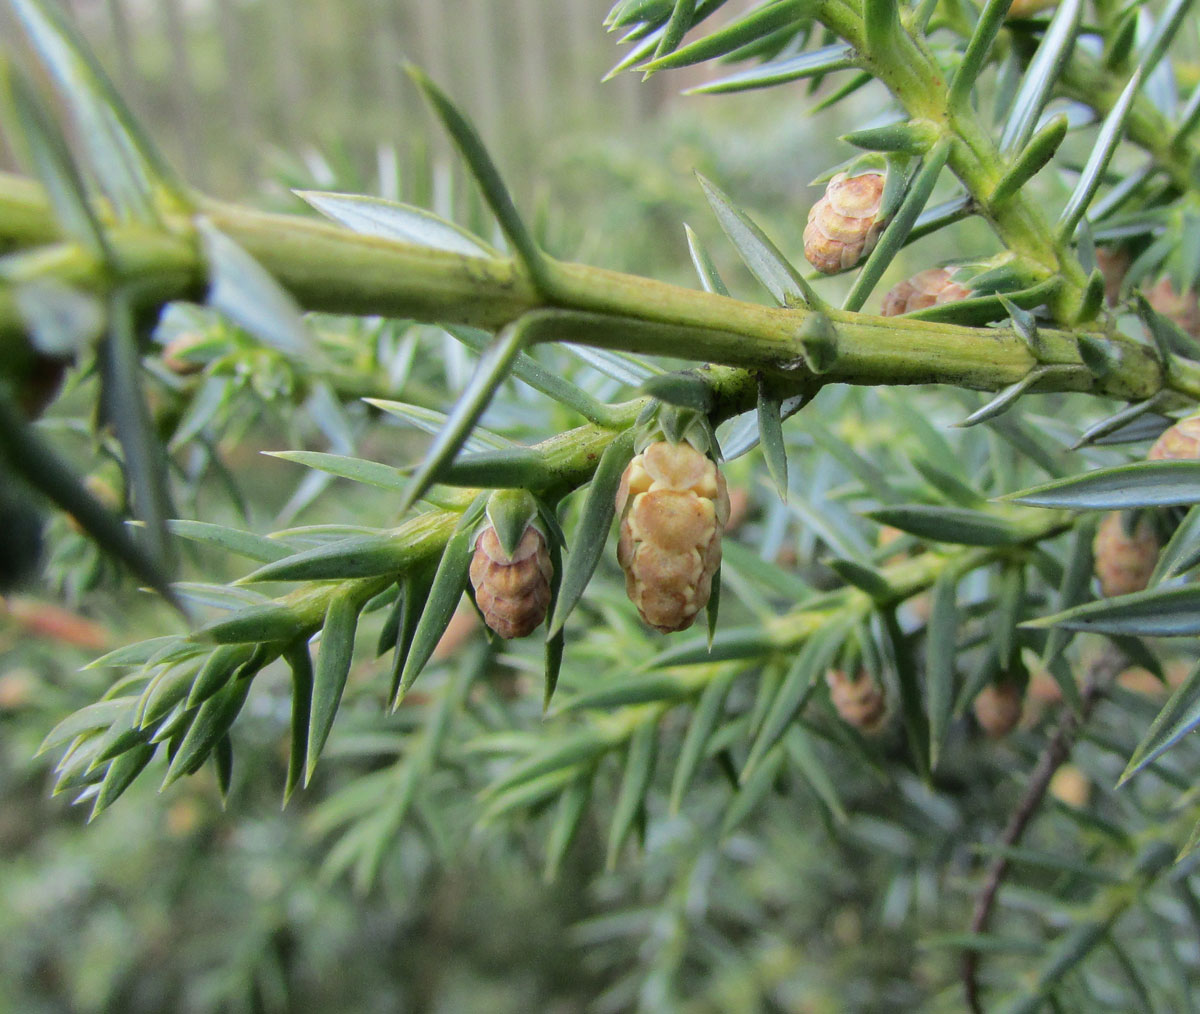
{"points": [[1179, 716], [47, 154], [480, 163], [940, 662], [1174, 612], [702, 262], [571, 806], [756, 24], [798, 685], [896, 233], [1120, 487], [444, 594], [528, 370], [244, 290], [32, 459], [1164, 32], [491, 370], [978, 49], [704, 722], [639, 769], [1102, 152], [1182, 552], [677, 27], [373, 216], [826, 60], [1044, 69], [1033, 158], [329, 680], [127, 164], [209, 724], [761, 256], [770, 428], [595, 522], [125, 405]]}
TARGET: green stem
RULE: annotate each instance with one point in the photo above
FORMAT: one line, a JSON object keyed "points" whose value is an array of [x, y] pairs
{"points": [[331, 269]]}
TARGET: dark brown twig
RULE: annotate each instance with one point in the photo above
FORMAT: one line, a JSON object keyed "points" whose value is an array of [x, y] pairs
{"points": [[1100, 675]]}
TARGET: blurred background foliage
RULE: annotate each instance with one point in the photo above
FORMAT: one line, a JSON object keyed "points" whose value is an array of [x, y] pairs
{"points": [[841, 898]]}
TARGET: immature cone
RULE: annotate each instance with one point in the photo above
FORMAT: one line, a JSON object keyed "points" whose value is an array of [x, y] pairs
{"points": [[1124, 561], [859, 702], [673, 507], [845, 223], [998, 708], [513, 593], [931, 287], [1179, 443]]}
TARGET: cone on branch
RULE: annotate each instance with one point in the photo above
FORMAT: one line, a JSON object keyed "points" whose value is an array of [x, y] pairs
{"points": [[1180, 442], [998, 708], [1124, 557], [512, 591], [673, 506], [845, 223], [859, 701], [931, 287]]}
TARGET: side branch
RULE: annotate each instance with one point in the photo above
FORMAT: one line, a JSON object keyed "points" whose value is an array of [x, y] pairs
{"points": [[1056, 752]]}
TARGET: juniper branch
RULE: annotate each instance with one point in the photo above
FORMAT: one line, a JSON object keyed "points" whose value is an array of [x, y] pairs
{"points": [[331, 269], [914, 77]]}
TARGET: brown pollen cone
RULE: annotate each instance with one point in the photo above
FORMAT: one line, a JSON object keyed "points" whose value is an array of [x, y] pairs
{"points": [[673, 507], [998, 708], [1124, 561], [844, 223], [858, 702], [931, 287], [1180, 442], [512, 593]]}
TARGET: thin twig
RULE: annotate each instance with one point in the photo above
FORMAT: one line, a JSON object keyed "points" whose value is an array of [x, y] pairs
{"points": [[1100, 675]]}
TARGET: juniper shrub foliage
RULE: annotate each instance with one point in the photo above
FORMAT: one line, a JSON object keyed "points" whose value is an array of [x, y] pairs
{"points": [[610, 418]]}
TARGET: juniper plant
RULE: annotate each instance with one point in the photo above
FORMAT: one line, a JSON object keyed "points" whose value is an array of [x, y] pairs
{"points": [[977, 601]]}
